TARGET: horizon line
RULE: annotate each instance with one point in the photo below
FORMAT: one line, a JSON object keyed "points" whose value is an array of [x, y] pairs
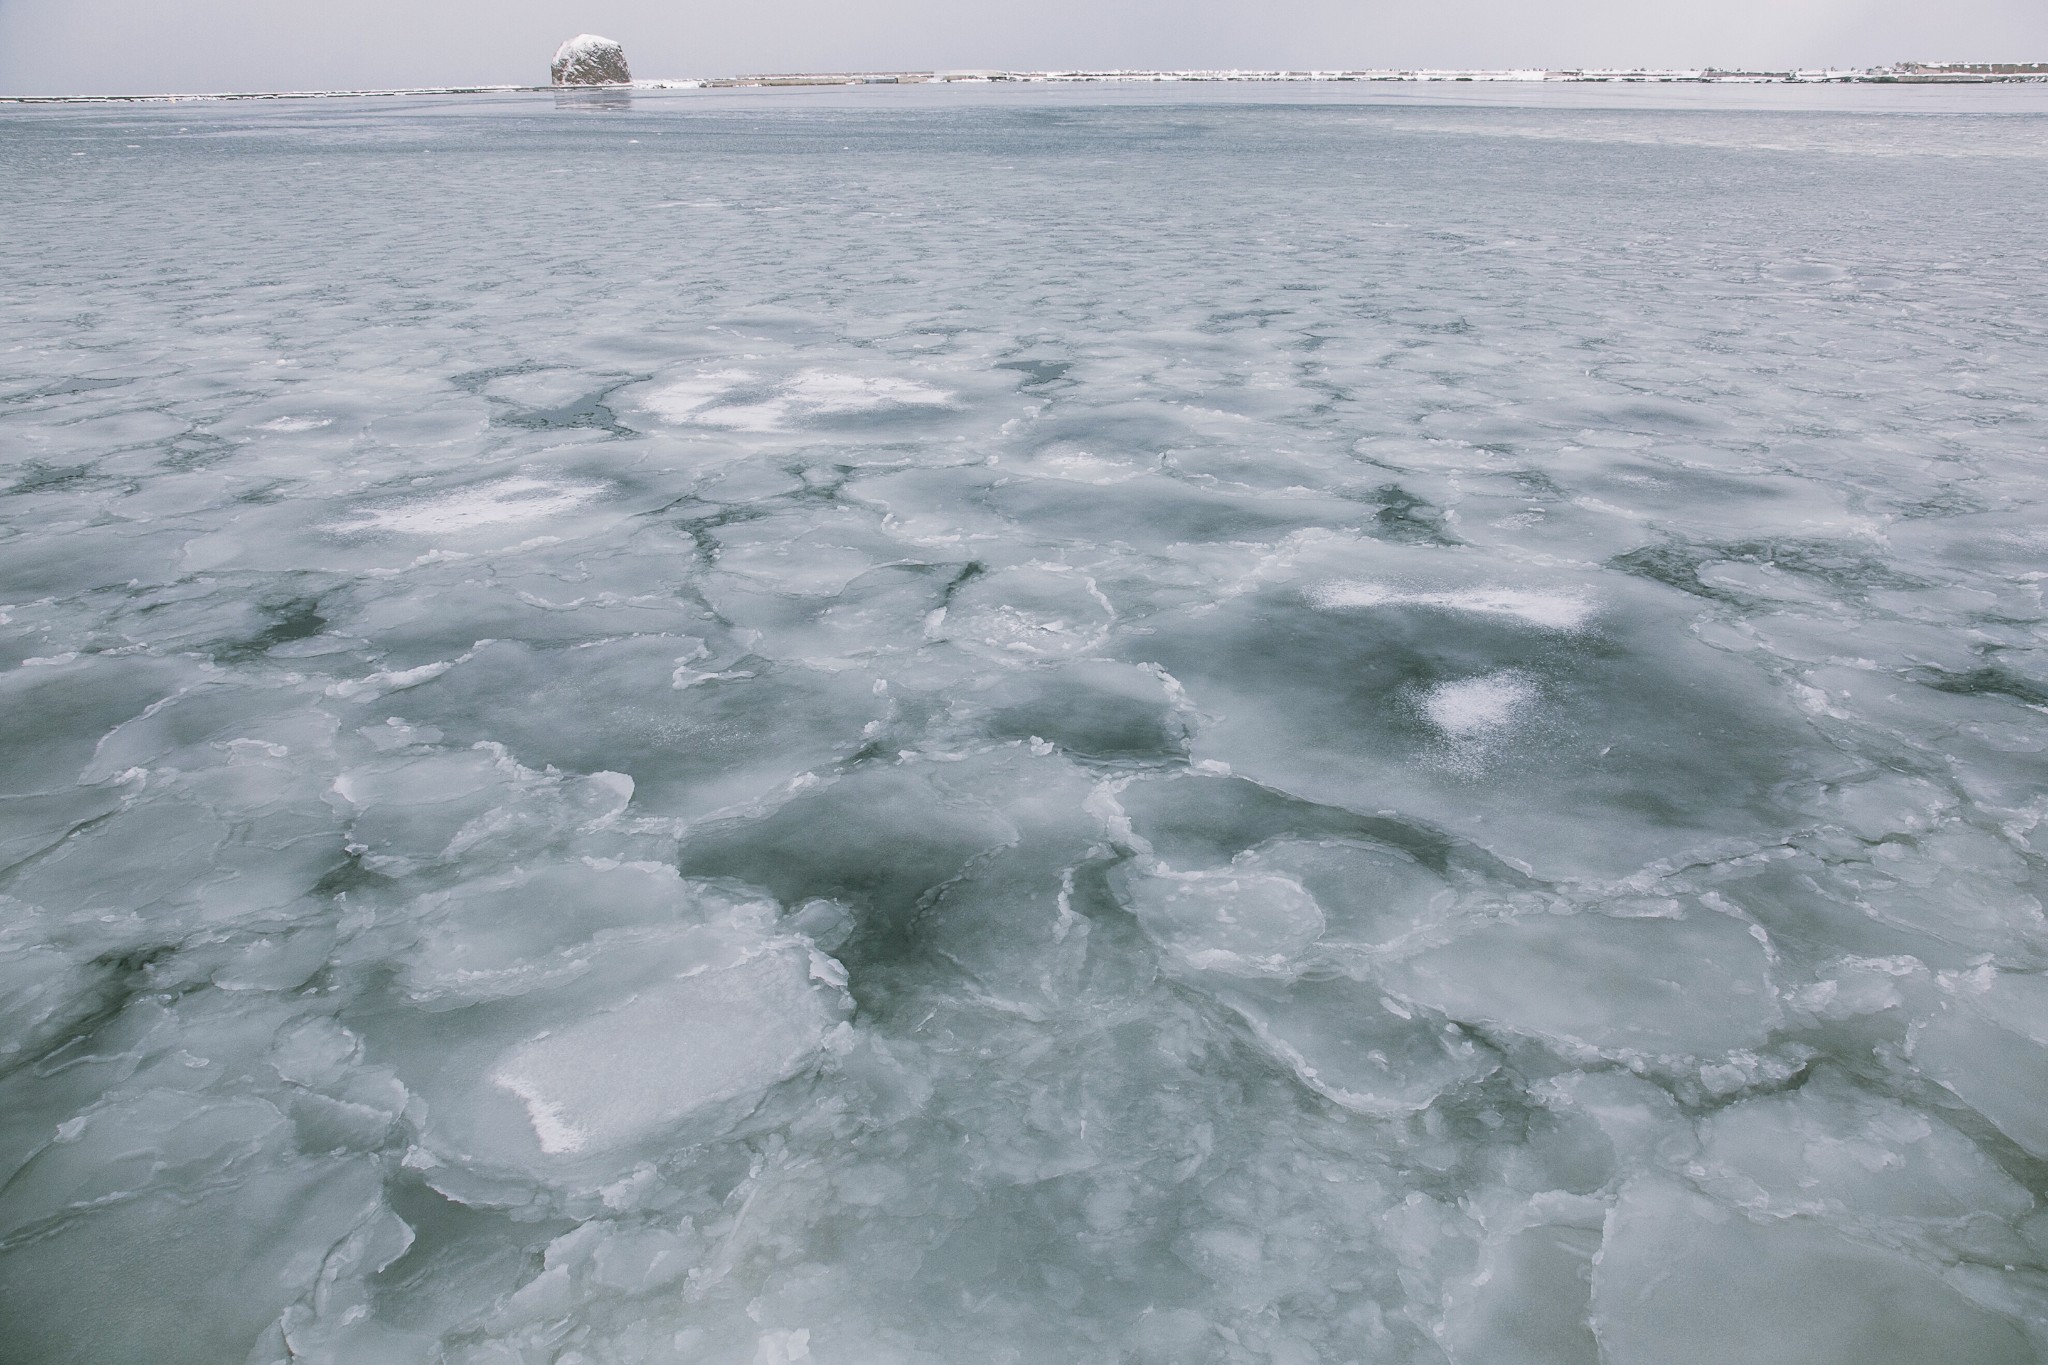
{"points": [[1897, 73]]}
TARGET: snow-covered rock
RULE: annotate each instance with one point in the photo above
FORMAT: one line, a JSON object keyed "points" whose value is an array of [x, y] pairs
{"points": [[588, 59]]}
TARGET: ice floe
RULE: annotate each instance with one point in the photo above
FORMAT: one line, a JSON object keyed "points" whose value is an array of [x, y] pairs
{"points": [[1215, 729]]}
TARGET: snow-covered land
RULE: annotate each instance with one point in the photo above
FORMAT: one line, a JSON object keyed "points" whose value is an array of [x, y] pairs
{"points": [[1052, 725], [1906, 73], [590, 60]]}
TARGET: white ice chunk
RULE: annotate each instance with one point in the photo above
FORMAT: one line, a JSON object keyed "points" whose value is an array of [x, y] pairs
{"points": [[1368, 893], [1025, 613], [823, 391], [1080, 466], [635, 1261], [1369, 1054], [1831, 1150], [1697, 985], [1236, 923], [157, 1138], [1529, 1301], [504, 936], [681, 400], [1683, 1281], [43, 991], [173, 1227], [1989, 1044], [626, 1074]]}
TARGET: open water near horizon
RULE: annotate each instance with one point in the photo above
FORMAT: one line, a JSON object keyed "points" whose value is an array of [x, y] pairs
{"points": [[1145, 724]]}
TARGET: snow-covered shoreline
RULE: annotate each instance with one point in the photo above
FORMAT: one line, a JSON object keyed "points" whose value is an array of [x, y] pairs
{"points": [[1981, 73]]}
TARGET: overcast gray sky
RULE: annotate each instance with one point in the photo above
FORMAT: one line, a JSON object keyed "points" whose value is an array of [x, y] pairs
{"points": [[135, 46]]}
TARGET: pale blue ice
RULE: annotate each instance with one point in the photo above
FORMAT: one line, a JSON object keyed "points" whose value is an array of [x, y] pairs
{"points": [[1041, 725]]}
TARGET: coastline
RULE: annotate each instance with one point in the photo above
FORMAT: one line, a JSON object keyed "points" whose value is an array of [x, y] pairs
{"points": [[1979, 73]]}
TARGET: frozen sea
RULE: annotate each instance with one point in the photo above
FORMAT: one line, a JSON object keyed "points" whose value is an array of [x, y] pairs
{"points": [[1026, 726]]}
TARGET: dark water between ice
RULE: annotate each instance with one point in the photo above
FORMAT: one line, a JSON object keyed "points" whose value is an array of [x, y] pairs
{"points": [[1026, 726]]}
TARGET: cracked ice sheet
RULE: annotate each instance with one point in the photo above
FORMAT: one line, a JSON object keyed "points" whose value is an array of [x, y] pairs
{"points": [[942, 737]]}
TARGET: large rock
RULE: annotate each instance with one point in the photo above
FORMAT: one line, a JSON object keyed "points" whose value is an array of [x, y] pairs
{"points": [[590, 60]]}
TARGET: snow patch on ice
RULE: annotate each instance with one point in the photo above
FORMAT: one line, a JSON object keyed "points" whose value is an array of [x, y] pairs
{"points": [[737, 400], [1078, 466], [1472, 707], [550, 1124], [682, 400], [502, 502], [1559, 611]]}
